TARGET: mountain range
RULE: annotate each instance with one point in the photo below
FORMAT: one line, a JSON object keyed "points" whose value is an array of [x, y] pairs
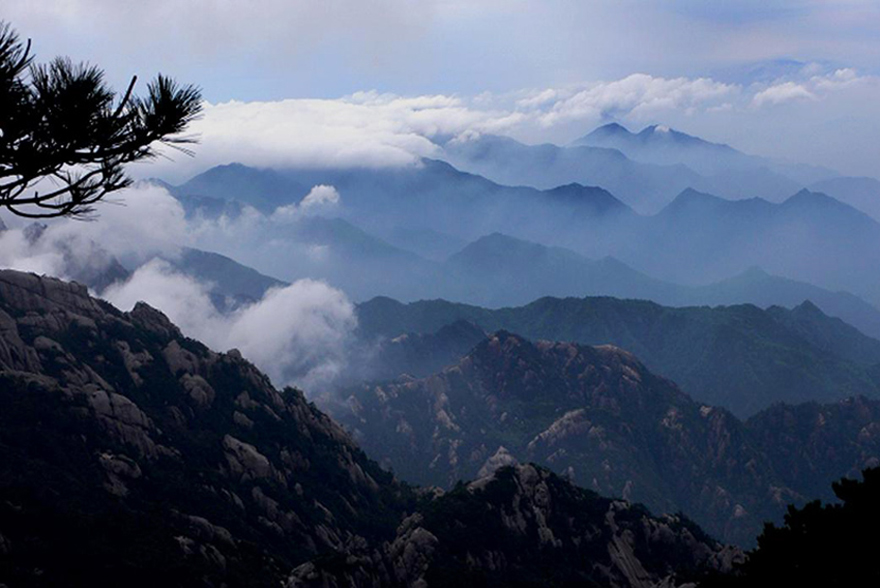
{"points": [[132, 455], [738, 357], [430, 209], [597, 416]]}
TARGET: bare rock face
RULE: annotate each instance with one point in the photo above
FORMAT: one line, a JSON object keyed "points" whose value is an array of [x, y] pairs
{"points": [[525, 526], [601, 419], [131, 455], [117, 423], [501, 458]]}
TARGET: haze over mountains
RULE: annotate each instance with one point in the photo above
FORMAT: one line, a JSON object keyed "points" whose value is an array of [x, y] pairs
{"points": [[439, 294], [432, 209], [598, 416], [744, 373], [738, 357]]}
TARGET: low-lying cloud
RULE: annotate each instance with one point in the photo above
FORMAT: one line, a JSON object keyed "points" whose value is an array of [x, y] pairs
{"points": [[298, 334]]}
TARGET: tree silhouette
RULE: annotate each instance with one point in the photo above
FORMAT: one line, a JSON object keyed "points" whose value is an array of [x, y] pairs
{"points": [[65, 136], [832, 545]]}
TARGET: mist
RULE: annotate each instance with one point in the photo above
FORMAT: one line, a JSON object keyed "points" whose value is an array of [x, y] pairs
{"points": [[297, 335]]}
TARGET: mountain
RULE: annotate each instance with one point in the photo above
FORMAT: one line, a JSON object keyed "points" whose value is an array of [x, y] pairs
{"points": [[755, 286], [860, 193], [662, 145], [644, 186], [264, 189], [599, 417], [725, 170], [232, 284], [528, 528], [431, 195], [411, 354], [433, 208], [499, 270], [308, 246], [645, 169], [739, 357], [809, 237], [131, 455]]}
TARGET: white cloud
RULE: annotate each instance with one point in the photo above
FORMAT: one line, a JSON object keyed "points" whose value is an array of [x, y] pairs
{"points": [[780, 93], [372, 129], [297, 335], [637, 95], [133, 225], [319, 197]]}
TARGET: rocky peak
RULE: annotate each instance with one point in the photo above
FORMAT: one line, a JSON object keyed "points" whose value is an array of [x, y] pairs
{"points": [[131, 455], [192, 453]]}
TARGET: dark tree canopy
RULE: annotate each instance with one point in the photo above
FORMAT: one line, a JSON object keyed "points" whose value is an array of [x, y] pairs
{"points": [[60, 122], [831, 545]]}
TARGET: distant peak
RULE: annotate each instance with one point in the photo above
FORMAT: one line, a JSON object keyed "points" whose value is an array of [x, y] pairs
{"points": [[692, 194], [612, 128], [690, 197], [805, 195], [808, 308], [609, 130]]}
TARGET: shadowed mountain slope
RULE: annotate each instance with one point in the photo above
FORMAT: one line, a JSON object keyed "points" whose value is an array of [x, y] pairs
{"points": [[597, 416], [131, 455], [739, 357]]}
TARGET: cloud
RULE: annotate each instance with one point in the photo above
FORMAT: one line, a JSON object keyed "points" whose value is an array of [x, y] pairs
{"points": [[298, 335], [135, 224], [373, 129], [637, 95], [780, 93], [319, 196], [320, 199]]}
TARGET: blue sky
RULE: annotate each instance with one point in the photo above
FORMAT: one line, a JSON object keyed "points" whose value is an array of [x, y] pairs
{"points": [[772, 65]]}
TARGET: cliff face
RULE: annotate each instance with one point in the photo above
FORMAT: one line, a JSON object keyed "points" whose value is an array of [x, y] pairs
{"points": [[129, 449], [525, 526], [599, 417], [131, 455]]}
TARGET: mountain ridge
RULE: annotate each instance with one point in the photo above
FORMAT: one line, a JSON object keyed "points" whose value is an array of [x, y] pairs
{"points": [[132, 455], [599, 417]]}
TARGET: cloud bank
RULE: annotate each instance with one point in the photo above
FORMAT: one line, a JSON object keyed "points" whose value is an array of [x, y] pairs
{"points": [[371, 129], [298, 335]]}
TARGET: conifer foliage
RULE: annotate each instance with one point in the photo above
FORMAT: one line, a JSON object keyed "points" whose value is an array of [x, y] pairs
{"points": [[65, 135], [818, 545]]}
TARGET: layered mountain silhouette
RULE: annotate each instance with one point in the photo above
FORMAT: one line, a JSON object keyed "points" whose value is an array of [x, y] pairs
{"points": [[499, 270], [644, 186], [809, 237], [861, 193], [715, 161], [132, 455], [696, 239], [738, 357], [599, 417]]}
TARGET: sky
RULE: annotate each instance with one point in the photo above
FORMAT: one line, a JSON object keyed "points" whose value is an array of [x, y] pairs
{"points": [[340, 81]]}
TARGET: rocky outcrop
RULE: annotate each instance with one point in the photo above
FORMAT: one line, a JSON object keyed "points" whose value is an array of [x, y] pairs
{"points": [[597, 416], [111, 420], [535, 529], [131, 455]]}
